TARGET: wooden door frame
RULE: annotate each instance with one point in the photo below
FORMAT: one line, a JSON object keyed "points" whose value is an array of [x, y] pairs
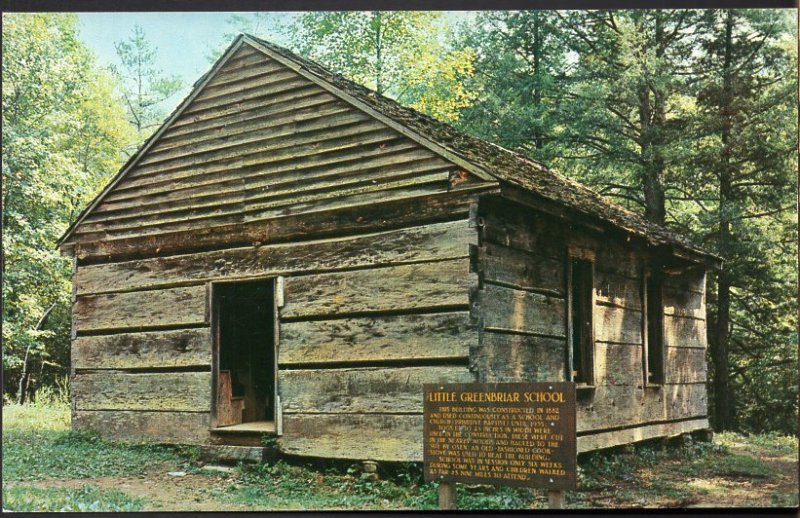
{"points": [[214, 314]]}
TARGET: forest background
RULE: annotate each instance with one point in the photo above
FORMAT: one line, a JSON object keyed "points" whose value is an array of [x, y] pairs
{"points": [[688, 117]]}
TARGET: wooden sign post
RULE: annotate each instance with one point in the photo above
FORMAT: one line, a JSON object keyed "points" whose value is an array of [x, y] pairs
{"points": [[516, 434]]}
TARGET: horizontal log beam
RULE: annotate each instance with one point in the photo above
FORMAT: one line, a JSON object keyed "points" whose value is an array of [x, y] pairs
{"points": [[156, 349], [167, 391], [508, 309], [613, 324], [370, 390], [436, 241], [390, 438], [684, 332], [153, 308], [612, 406], [437, 336], [143, 427], [423, 285], [522, 270], [640, 433], [359, 218], [502, 358]]}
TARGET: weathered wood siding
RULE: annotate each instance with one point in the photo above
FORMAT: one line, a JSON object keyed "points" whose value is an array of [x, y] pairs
{"points": [[260, 142], [366, 320], [387, 285], [265, 173], [357, 346], [521, 303], [521, 306]]}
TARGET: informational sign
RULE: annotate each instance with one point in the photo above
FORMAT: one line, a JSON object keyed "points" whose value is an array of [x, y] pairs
{"points": [[516, 434]]}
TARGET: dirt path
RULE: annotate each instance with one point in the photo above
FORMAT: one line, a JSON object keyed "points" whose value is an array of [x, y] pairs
{"points": [[747, 491], [722, 484], [157, 489], [661, 486]]}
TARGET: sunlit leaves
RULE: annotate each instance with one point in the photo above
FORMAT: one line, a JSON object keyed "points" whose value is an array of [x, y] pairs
{"points": [[400, 54], [62, 135]]}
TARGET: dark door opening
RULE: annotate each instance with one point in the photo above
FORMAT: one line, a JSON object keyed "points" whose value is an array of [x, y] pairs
{"points": [[245, 347]]}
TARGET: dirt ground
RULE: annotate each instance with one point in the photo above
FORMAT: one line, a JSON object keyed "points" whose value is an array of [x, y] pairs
{"points": [[196, 491], [745, 491], [160, 491]]}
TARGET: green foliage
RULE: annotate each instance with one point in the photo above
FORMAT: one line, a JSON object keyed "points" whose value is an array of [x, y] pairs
{"points": [[519, 86], [62, 132], [270, 441], [640, 105], [771, 442], [398, 53], [746, 160], [299, 486], [37, 444], [87, 498], [730, 466], [144, 87]]}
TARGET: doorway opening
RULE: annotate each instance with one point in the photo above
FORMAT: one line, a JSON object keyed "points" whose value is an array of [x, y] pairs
{"points": [[245, 367]]}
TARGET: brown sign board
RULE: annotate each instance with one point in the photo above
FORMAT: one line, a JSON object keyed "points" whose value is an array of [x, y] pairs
{"points": [[516, 434]]}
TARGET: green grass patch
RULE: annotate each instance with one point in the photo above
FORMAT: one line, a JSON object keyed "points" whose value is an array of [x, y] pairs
{"points": [[728, 465], [785, 499], [37, 444], [301, 487], [83, 499], [773, 443]]}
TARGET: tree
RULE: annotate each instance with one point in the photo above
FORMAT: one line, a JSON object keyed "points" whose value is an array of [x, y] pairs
{"points": [[144, 87], [519, 81], [397, 53], [271, 26], [690, 118], [62, 132], [746, 154], [628, 102]]}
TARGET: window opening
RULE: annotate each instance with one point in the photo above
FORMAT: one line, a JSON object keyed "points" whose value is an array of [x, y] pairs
{"points": [[582, 302]]}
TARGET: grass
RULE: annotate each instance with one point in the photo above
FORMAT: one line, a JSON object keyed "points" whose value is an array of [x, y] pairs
{"points": [[40, 453], [285, 486], [771, 442], [38, 444], [83, 499]]}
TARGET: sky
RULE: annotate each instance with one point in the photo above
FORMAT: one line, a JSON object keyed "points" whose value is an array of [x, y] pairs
{"points": [[184, 40]]}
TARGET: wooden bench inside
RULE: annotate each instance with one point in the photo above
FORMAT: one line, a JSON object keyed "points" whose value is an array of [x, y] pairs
{"points": [[229, 407]]}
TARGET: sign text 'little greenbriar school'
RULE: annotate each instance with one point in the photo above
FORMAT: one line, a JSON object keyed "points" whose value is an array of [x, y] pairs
{"points": [[517, 434]]}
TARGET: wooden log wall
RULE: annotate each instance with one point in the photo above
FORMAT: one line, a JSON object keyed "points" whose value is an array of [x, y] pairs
{"points": [[265, 173], [367, 319], [357, 346], [521, 304], [387, 286]]}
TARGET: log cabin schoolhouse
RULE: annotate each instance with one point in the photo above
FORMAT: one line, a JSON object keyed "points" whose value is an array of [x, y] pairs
{"points": [[294, 254]]}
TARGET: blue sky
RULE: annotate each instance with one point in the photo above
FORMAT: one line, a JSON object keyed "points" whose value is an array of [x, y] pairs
{"points": [[184, 40]]}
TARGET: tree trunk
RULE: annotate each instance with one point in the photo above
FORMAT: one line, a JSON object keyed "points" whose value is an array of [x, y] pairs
{"points": [[23, 380], [537, 80], [719, 349], [652, 121], [378, 53]]}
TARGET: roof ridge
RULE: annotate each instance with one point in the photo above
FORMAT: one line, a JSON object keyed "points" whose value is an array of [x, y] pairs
{"points": [[487, 160], [303, 61]]}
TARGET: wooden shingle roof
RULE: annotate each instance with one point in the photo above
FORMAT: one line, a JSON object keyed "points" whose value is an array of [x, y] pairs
{"points": [[484, 159], [499, 162]]}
